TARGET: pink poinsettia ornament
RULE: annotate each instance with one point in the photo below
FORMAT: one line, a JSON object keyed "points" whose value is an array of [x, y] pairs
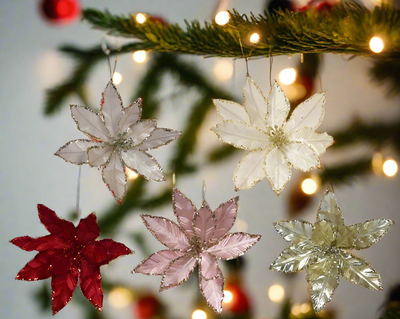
{"points": [[201, 238]]}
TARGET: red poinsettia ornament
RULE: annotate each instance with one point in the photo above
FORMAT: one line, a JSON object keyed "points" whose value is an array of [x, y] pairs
{"points": [[67, 253]]}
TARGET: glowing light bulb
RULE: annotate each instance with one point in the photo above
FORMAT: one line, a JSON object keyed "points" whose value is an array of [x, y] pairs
{"points": [[276, 293], [223, 70], [139, 56], [305, 308], [199, 314], [140, 18], [255, 38], [222, 17], [228, 296], [120, 297], [131, 174], [309, 186], [295, 309], [117, 78], [287, 76], [390, 168], [376, 45]]}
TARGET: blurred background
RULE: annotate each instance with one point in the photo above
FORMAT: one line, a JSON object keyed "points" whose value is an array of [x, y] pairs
{"points": [[34, 124]]}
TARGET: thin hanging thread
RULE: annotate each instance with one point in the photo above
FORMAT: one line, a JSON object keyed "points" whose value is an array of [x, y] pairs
{"points": [[203, 193], [234, 75], [328, 178], [245, 58], [107, 52], [271, 61], [173, 179], [78, 194]]}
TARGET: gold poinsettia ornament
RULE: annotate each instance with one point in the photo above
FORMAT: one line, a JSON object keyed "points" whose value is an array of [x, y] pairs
{"points": [[322, 250]]}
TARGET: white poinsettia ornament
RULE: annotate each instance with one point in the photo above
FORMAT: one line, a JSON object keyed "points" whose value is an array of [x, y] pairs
{"points": [[276, 144], [118, 138]]}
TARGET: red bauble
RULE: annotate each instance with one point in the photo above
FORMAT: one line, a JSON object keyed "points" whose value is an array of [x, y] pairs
{"points": [[240, 301], [60, 11], [146, 307]]}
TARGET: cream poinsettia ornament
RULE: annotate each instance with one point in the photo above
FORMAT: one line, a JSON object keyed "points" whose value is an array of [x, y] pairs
{"points": [[118, 138], [275, 143]]}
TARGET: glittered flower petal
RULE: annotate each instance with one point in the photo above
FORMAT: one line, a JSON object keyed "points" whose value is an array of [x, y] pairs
{"points": [[277, 170], [99, 155], [41, 243], [90, 283], [166, 231], [158, 262], [130, 116], [359, 272], [87, 229], [324, 233], [62, 289], [233, 245], [310, 113], [178, 272], [278, 107], [114, 177], [249, 170], [323, 279], [184, 211], [37, 268], [101, 252], [301, 156], [89, 122], [346, 236], [318, 141], [204, 223], [231, 110], [241, 135], [159, 137], [140, 131], [225, 216], [111, 108], [213, 290], [254, 103], [294, 230], [54, 224], [329, 209], [75, 151], [143, 164], [208, 266], [371, 232]]}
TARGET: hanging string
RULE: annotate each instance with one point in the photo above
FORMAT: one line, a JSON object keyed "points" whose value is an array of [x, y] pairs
{"points": [[271, 61], [204, 191], [173, 179], [245, 57], [328, 178], [234, 75], [107, 52], [78, 195]]}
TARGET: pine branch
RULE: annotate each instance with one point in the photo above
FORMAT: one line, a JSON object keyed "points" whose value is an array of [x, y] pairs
{"points": [[387, 74], [346, 29]]}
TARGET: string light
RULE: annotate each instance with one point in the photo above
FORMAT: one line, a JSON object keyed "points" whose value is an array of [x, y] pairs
{"points": [[305, 308], [117, 78], [309, 186], [223, 70], [255, 38], [376, 45], [276, 293], [287, 76], [390, 167], [228, 296], [222, 17], [131, 174], [140, 18], [295, 309], [139, 56], [199, 314], [120, 297]]}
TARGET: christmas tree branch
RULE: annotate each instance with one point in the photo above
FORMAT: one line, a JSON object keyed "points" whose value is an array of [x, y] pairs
{"points": [[346, 29]]}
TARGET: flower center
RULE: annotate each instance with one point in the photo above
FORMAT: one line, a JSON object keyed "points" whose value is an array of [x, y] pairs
{"points": [[195, 246], [121, 142], [277, 136]]}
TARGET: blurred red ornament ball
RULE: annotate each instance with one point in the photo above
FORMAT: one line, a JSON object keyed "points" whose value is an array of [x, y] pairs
{"points": [[240, 301], [60, 11], [146, 307]]}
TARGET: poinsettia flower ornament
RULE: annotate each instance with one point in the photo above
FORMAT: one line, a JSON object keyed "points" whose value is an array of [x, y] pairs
{"points": [[276, 144], [119, 138], [201, 237], [67, 254]]}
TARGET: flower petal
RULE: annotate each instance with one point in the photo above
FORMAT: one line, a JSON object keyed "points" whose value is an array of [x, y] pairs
{"points": [[62, 289], [159, 137], [294, 230], [114, 177], [75, 151], [241, 135], [99, 155], [372, 231], [277, 170], [213, 290], [90, 283], [323, 279], [225, 216], [254, 103], [310, 113], [346, 236], [278, 107], [230, 110], [101, 252], [143, 164], [233, 245], [131, 115], [140, 131], [184, 211], [301, 156], [167, 232], [318, 141], [87, 230], [37, 268], [41, 243], [178, 272], [111, 108], [324, 233], [204, 223], [329, 209], [208, 266], [359, 272], [158, 262], [249, 170], [89, 122], [54, 224]]}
